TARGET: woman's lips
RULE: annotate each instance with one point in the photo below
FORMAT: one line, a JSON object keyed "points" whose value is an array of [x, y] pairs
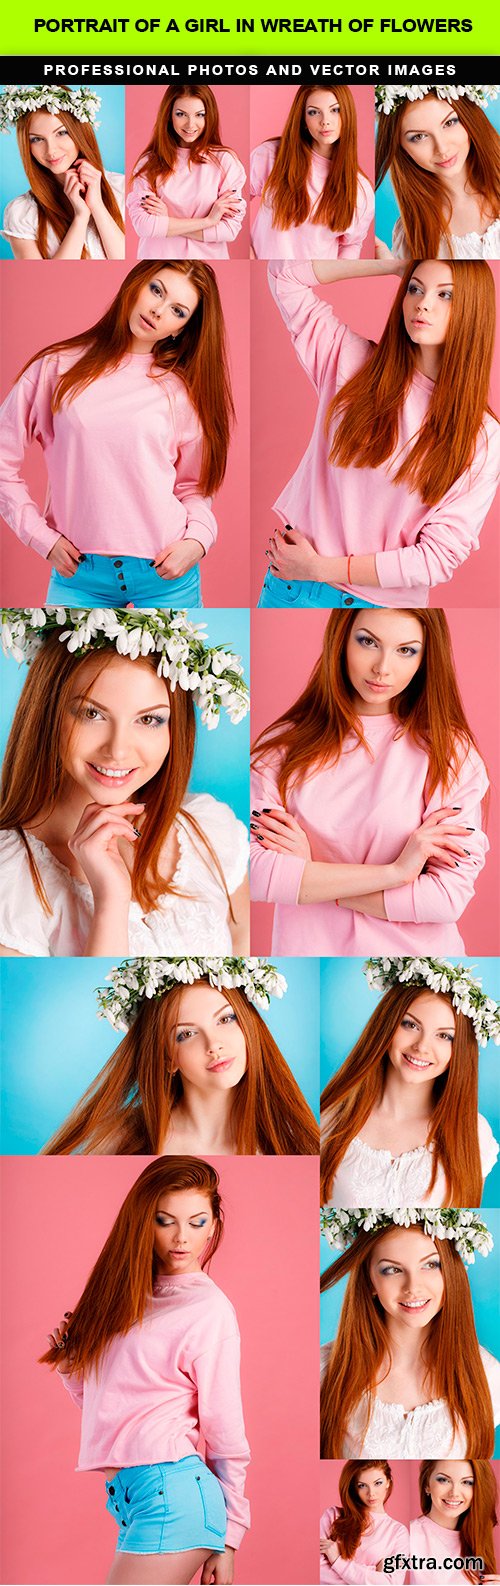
{"points": [[147, 322], [445, 165], [216, 1068], [413, 1305], [111, 776], [415, 1062]]}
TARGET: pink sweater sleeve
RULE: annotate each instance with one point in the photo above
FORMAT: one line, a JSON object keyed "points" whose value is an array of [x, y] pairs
{"points": [[319, 338], [24, 417], [217, 1375], [232, 176], [73, 1385], [441, 894], [200, 521], [452, 528], [261, 163], [350, 244], [275, 878], [144, 224]]}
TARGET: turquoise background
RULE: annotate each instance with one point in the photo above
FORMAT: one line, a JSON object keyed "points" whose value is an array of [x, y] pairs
{"points": [[110, 136], [386, 209]]}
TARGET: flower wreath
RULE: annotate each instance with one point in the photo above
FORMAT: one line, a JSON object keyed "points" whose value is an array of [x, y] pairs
{"points": [[387, 98], [437, 974], [466, 1228], [17, 101], [137, 978]]}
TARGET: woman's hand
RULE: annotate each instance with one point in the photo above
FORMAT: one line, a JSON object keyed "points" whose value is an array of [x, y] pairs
{"points": [[153, 204], [58, 1339], [90, 180], [95, 845], [329, 1549], [219, 1567], [64, 556], [279, 831], [383, 252], [290, 555], [73, 191], [180, 556], [226, 204], [435, 839]]}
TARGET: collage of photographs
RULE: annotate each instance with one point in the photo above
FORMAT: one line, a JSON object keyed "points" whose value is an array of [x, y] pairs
{"points": [[248, 1008]]}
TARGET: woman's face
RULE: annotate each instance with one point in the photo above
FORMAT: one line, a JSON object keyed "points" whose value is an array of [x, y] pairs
{"points": [[432, 133], [372, 1487], [163, 305], [383, 652], [450, 1487], [116, 732], [208, 1044], [188, 119], [405, 1271], [184, 1223], [51, 144], [422, 1045], [427, 303], [323, 120]]}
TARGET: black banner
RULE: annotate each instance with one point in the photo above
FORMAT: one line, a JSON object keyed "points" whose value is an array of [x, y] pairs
{"points": [[369, 69]]}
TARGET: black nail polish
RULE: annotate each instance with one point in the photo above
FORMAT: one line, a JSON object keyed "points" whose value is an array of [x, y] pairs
{"points": [[467, 851], [456, 806], [253, 827], [260, 839], [255, 812], [470, 828], [266, 812]]}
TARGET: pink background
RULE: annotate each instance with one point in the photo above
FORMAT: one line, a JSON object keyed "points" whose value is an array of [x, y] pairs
{"points": [[141, 107], [269, 107], [68, 299], [57, 1214], [283, 653], [283, 412]]}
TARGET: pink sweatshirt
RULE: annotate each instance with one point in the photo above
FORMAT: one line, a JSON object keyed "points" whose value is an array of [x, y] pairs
{"points": [[352, 511], [189, 191], [428, 1540], [362, 811], [384, 1539], [306, 241], [166, 1383], [123, 459]]}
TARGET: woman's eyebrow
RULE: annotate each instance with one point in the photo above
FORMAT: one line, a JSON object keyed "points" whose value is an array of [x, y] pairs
{"points": [[88, 699]]}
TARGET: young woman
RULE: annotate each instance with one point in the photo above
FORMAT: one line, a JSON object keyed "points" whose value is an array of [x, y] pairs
{"points": [[366, 795], [400, 1123], [185, 200], [103, 848], [443, 156], [134, 419], [150, 1355], [405, 1371], [404, 459], [315, 203], [357, 1535], [458, 1512], [198, 1069], [73, 208]]}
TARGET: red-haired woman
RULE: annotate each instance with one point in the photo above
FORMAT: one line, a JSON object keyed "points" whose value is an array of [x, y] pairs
{"points": [[357, 1535], [458, 1513], [133, 417], [74, 208], [315, 203], [185, 200], [150, 1354], [366, 795], [443, 157], [404, 459]]}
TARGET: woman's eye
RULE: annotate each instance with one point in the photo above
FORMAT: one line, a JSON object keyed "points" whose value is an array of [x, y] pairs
{"points": [[434, 1265], [453, 122], [228, 1018], [150, 720], [183, 1035], [200, 1224], [155, 289], [364, 639], [388, 1272], [407, 1024], [414, 289], [447, 296], [407, 652], [416, 137]]}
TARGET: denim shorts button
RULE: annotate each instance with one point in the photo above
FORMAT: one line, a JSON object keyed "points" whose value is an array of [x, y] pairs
{"points": [[348, 600], [124, 1522], [288, 586], [112, 1491], [117, 564]]}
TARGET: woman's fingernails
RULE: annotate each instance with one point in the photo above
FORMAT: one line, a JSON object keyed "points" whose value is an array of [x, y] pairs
{"points": [[456, 806], [259, 838], [470, 828], [255, 812], [467, 851], [266, 812]]}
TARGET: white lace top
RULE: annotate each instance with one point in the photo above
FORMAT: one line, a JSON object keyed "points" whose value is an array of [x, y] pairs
{"points": [[21, 220], [368, 1176], [423, 1433], [196, 924], [471, 246]]}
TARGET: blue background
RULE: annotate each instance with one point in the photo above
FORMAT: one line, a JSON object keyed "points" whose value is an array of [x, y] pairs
{"points": [[110, 136], [221, 762], [484, 1278], [346, 1005], [53, 1044], [386, 209]]}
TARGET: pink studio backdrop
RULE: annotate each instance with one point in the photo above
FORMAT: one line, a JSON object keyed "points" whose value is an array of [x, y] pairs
{"points": [[141, 109], [283, 412], [269, 107], [283, 653], [67, 299], [398, 1503], [57, 1213]]}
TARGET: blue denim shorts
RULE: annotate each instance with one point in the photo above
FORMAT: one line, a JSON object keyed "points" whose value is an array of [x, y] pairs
{"points": [[168, 1508], [281, 592], [124, 581]]}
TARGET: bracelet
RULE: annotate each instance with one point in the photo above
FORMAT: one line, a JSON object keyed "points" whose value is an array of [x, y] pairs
{"points": [[349, 560]]}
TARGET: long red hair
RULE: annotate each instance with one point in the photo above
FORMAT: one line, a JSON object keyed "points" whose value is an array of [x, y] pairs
{"points": [[54, 208], [120, 1285], [354, 1518], [312, 733], [33, 768], [286, 186], [424, 205], [129, 1107], [358, 1086], [454, 1369], [476, 1525], [159, 158], [365, 413], [198, 355]]}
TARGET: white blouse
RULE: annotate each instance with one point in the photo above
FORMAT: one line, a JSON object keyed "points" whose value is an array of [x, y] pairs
{"points": [[423, 1433], [194, 924], [471, 246], [368, 1176], [21, 220]]}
